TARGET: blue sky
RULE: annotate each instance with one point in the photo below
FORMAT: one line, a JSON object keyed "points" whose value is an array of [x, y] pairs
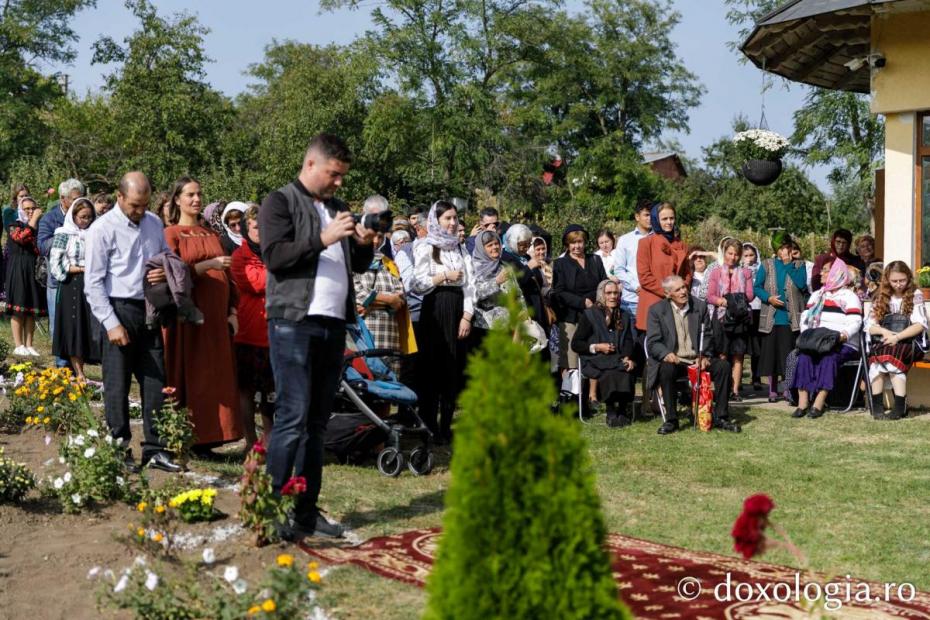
{"points": [[240, 30]]}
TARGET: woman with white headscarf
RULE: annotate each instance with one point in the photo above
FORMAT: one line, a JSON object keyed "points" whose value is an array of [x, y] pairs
{"points": [[232, 216], [73, 333], [25, 298], [443, 275]]}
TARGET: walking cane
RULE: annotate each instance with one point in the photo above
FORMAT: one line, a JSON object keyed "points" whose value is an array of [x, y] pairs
{"points": [[696, 402]]}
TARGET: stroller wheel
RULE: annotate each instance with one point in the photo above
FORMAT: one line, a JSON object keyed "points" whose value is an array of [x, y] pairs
{"points": [[421, 461], [390, 462]]}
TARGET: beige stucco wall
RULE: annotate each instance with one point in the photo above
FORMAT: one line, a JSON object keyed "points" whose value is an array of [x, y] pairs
{"points": [[900, 142], [903, 84]]}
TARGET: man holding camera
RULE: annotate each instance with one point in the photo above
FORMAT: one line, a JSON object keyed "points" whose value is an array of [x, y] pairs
{"points": [[311, 245], [488, 219]]}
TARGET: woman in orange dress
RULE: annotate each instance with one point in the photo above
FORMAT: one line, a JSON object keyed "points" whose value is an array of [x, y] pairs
{"points": [[199, 358]]}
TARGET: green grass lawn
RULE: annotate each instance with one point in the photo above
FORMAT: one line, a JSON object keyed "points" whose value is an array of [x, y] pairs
{"points": [[850, 491]]}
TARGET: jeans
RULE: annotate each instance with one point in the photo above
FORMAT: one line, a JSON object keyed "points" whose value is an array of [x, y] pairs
{"points": [[143, 357], [51, 296], [306, 358]]}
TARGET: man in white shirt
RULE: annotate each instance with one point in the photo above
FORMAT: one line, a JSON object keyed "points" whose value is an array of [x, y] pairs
{"points": [[625, 256]]}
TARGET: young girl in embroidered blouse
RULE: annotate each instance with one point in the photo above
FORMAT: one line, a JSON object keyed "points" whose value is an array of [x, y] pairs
{"points": [[893, 353]]}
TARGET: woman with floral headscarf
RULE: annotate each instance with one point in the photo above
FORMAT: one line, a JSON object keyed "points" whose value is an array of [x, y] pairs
{"points": [[74, 323], [836, 307], [232, 219], [443, 275], [25, 299]]}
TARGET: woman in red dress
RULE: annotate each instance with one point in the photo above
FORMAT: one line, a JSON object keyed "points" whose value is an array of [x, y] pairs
{"points": [[199, 358]]}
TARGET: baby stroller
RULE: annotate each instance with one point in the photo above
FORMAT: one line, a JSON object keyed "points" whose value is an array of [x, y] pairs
{"points": [[368, 385]]}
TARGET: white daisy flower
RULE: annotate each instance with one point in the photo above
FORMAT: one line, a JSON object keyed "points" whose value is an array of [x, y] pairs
{"points": [[58, 483], [90, 452], [67, 476], [121, 584], [79, 440], [240, 586], [93, 433], [151, 580], [231, 574], [120, 481], [76, 498], [209, 556]]}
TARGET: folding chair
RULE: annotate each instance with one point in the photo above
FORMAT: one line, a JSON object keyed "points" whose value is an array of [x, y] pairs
{"points": [[862, 370]]}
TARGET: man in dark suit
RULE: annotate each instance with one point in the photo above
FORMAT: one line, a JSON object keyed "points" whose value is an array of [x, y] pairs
{"points": [[678, 329]]}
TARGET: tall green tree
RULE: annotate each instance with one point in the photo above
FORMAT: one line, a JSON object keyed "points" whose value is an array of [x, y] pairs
{"points": [[32, 33], [167, 117]]}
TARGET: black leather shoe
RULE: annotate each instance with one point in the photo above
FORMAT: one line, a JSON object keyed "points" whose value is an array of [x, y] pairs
{"points": [[736, 398], [799, 413], [814, 413], [161, 460], [327, 529], [668, 428], [725, 424]]}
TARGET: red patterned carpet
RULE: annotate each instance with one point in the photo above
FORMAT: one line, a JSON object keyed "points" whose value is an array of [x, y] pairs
{"points": [[650, 579]]}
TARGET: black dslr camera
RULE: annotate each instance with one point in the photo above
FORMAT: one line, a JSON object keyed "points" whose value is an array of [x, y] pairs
{"points": [[378, 222]]}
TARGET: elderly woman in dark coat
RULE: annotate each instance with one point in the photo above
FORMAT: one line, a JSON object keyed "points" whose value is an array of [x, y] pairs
{"points": [[604, 340]]}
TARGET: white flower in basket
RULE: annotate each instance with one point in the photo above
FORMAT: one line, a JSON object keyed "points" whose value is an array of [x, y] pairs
{"points": [[761, 144]]}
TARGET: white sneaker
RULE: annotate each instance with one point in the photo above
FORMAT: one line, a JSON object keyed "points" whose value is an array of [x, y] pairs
{"points": [[20, 350], [32, 352]]}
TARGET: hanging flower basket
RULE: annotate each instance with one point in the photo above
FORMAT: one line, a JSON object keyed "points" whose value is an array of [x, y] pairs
{"points": [[761, 150], [762, 171]]}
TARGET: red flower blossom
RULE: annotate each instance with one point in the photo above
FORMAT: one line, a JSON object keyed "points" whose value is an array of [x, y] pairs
{"points": [[295, 486], [259, 447], [749, 528], [759, 505], [168, 390]]}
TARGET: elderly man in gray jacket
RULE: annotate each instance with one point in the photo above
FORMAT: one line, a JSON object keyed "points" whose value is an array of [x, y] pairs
{"points": [[680, 334]]}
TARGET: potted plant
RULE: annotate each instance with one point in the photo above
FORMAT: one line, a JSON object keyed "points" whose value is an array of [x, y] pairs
{"points": [[923, 282], [761, 151]]}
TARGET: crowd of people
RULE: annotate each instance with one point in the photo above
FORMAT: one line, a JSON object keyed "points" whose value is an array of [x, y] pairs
{"points": [[241, 308]]}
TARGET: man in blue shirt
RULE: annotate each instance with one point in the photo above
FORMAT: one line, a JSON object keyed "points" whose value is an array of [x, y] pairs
{"points": [[68, 192], [118, 246]]}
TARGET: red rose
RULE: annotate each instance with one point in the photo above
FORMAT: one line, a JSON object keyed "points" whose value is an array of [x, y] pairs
{"points": [[759, 505], [295, 486], [749, 528], [259, 447]]}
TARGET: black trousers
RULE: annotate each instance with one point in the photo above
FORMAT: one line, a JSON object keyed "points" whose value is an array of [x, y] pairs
{"points": [[144, 359], [670, 374]]}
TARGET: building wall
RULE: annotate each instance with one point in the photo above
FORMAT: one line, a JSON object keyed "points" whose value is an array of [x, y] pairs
{"points": [[899, 225], [903, 84]]}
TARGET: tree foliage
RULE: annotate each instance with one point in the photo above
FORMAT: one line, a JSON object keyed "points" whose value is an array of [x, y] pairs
{"points": [[168, 120], [31, 33]]}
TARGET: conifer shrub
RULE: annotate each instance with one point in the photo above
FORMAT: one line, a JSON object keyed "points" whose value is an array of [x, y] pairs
{"points": [[523, 531]]}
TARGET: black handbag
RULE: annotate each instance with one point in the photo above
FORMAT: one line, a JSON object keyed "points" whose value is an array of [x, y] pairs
{"points": [[897, 323], [738, 316], [818, 341]]}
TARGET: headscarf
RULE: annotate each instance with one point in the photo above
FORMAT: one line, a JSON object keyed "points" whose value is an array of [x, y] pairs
{"points": [[69, 226], [599, 297], [21, 214], [512, 238], [837, 279], [720, 257], [533, 245], [779, 238], [213, 217], [241, 207], [485, 266], [436, 236], [657, 227], [755, 266]]}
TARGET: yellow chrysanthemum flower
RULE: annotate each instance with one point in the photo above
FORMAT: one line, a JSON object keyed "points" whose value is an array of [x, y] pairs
{"points": [[140, 532], [46, 420], [159, 509], [269, 605], [29, 419], [40, 409], [285, 560], [141, 506], [314, 577], [158, 537], [254, 609]]}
